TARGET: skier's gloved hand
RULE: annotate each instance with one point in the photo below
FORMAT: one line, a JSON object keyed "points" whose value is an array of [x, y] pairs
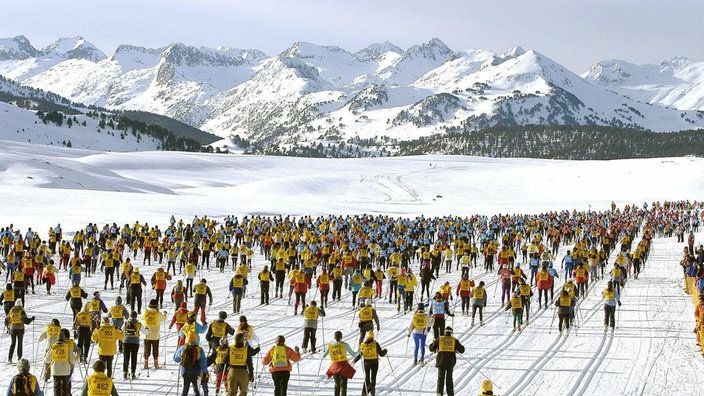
{"points": [[296, 349], [619, 303], [251, 378], [377, 327]]}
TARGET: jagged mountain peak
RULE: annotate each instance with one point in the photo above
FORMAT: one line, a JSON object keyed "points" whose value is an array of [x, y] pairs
{"points": [[246, 54], [375, 50], [17, 47], [434, 49], [305, 50], [514, 52], [74, 48]]}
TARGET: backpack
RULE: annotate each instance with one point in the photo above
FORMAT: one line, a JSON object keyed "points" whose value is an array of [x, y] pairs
{"points": [[21, 385], [131, 328], [190, 357]]}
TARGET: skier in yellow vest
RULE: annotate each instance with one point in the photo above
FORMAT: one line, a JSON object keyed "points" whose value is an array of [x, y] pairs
{"points": [[339, 368], [83, 328], [136, 281], [218, 330], [419, 327], [446, 347], [240, 370], [310, 325], [202, 290], [152, 320], [370, 350], [16, 320], [98, 383], [61, 357], [105, 336], [367, 317], [279, 360]]}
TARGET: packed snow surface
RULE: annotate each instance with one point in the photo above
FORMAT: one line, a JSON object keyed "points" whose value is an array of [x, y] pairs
{"points": [[652, 352]]}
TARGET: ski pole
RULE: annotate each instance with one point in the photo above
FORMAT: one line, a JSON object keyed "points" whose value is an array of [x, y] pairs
{"points": [[322, 327], [391, 366], [476, 368], [405, 353], [258, 380], [497, 285], [552, 321], [315, 386], [298, 371]]}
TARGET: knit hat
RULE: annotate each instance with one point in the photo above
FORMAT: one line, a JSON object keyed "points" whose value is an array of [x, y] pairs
{"points": [[370, 334], [96, 294], [18, 303], [23, 366], [421, 306], [118, 300], [153, 303], [487, 386], [368, 302], [448, 330], [184, 305], [222, 315], [191, 338]]}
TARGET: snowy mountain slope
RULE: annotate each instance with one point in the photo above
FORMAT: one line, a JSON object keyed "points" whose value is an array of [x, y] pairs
{"points": [[20, 125], [318, 93], [652, 352], [676, 83]]}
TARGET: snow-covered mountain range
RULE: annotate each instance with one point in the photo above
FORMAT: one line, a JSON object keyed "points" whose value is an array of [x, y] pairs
{"points": [[312, 93]]}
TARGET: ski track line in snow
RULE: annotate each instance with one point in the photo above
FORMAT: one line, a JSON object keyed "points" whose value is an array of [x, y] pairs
{"points": [[532, 371], [537, 365], [582, 384]]}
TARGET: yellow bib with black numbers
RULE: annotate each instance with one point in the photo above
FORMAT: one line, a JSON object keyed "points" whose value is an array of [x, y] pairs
{"points": [[278, 356], [151, 318], [565, 301], [368, 351], [366, 314], [59, 352], [83, 319], [99, 384], [478, 293], [75, 292], [446, 344], [117, 312], [420, 320], [201, 289], [311, 313], [15, 316], [94, 305], [337, 352], [220, 354], [218, 329], [365, 292], [238, 356]]}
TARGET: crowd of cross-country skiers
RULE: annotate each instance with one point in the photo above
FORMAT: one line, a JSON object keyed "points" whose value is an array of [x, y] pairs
{"points": [[376, 259]]}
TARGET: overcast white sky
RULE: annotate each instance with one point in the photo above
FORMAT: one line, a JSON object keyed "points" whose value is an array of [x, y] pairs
{"points": [[574, 33]]}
